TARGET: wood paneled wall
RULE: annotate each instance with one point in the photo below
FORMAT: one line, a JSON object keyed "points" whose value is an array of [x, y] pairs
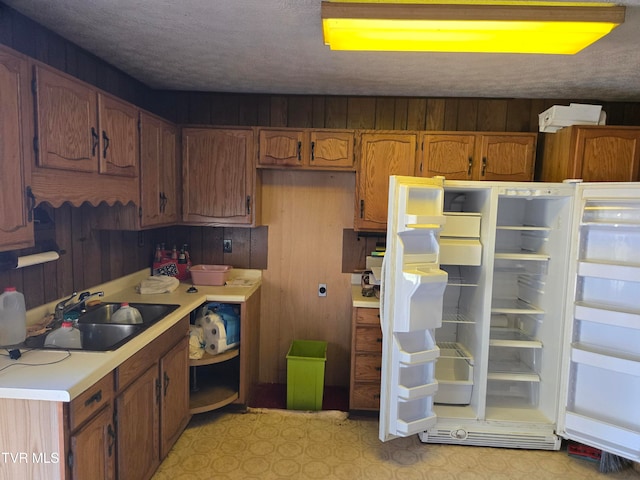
{"points": [[91, 256]]}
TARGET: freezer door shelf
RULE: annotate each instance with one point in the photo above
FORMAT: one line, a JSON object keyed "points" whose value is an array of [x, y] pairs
{"points": [[415, 348]]}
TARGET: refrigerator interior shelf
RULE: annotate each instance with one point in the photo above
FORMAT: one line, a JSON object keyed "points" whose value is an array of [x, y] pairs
{"points": [[454, 350], [518, 340], [450, 316], [521, 255], [616, 361], [513, 376], [460, 282], [511, 370], [514, 306], [523, 228], [607, 315], [609, 270]]}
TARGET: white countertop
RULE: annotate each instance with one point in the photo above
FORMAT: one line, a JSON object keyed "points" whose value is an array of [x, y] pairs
{"points": [[58, 375]]}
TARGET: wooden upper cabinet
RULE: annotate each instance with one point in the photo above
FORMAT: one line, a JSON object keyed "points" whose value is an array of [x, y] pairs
{"points": [[478, 156], [16, 132], [218, 176], [324, 149], [506, 157], [380, 155], [159, 192], [592, 153], [66, 122], [81, 129], [447, 155], [118, 122]]}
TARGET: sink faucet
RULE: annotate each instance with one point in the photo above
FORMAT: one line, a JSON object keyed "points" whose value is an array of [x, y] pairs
{"points": [[62, 307]]}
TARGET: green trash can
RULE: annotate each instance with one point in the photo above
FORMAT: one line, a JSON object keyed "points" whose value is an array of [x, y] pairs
{"points": [[305, 374]]}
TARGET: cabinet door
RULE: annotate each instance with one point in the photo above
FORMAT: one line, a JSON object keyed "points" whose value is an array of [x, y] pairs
{"points": [[92, 448], [282, 147], [331, 149], [218, 176], [137, 427], [118, 137], [174, 413], [158, 171], [67, 123], [16, 228], [451, 156], [607, 155], [506, 157], [380, 155]]}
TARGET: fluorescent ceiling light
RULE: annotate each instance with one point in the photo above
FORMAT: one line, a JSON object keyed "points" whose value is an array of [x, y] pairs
{"points": [[500, 27]]}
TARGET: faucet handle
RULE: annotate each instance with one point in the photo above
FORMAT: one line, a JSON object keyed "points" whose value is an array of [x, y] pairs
{"points": [[62, 303]]}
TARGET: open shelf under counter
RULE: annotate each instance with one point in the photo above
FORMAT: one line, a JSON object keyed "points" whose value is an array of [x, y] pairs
{"points": [[214, 381], [208, 359]]}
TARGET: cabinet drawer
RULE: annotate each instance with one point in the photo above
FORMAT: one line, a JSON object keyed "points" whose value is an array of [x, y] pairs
{"points": [[369, 316], [93, 399], [367, 367], [368, 339], [365, 396]]}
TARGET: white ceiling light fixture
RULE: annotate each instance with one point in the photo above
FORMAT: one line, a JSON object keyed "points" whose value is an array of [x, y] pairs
{"points": [[474, 26]]}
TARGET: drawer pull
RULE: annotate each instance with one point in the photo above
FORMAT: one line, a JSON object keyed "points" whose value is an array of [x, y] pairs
{"points": [[378, 369], [377, 395], [378, 340], [96, 397]]}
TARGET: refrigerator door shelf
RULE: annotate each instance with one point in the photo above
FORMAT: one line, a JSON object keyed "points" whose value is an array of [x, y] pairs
{"points": [[407, 392], [416, 348], [609, 271], [608, 360], [610, 438], [419, 300], [607, 315]]}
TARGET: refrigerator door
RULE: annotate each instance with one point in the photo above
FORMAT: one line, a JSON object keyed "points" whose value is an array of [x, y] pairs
{"points": [[601, 360], [411, 306]]}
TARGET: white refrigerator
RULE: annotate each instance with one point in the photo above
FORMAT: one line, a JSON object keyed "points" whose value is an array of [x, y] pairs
{"points": [[510, 314]]}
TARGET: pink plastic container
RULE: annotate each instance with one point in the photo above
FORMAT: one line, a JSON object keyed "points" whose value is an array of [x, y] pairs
{"points": [[210, 274]]}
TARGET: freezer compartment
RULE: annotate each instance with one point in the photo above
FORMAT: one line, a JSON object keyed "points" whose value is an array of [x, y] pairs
{"points": [[454, 372]]}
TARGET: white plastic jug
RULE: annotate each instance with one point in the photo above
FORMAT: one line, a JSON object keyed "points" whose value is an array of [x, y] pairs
{"points": [[126, 314], [13, 317], [67, 336]]}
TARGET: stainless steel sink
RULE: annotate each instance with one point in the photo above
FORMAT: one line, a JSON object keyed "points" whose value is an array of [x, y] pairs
{"points": [[103, 313], [104, 336], [100, 333]]}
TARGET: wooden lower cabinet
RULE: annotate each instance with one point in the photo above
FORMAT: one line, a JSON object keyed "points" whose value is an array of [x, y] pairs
{"points": [[366, 359], [152, 406], [93, 448]]}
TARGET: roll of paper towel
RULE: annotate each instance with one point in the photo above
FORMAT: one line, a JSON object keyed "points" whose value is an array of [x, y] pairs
{"points": [[215, 335], [37, 258]]}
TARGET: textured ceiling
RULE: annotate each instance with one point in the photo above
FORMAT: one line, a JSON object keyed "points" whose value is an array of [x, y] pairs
{"points": [[276, 46]]}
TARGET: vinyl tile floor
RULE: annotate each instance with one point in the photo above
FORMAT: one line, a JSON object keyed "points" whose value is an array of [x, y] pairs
{"points": [[271, 444]]}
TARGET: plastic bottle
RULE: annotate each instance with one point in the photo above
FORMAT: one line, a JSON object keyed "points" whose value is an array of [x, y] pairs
{"points": [[67, 336], [13, 317], [126, 314]]}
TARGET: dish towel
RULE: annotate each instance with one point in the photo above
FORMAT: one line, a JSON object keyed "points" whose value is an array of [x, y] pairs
{"points": [[158, 284]]}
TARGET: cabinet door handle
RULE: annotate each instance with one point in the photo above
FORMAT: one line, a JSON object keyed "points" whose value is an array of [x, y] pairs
{"points": [[31, 203], [378, 340], [299, 151], [95, 398], [361, 208], [484, 166], [112, 438], [166, 383], [94, 141], [105, 140], [313, 151], [248, 204], [470, 165]]}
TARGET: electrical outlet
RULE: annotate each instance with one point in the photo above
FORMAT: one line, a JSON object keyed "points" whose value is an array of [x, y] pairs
{"points": [[226, 246], [322, 289]]}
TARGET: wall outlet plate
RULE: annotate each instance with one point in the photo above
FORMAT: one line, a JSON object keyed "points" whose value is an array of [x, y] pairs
{"points": [[226, 246], [322, 289]]}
